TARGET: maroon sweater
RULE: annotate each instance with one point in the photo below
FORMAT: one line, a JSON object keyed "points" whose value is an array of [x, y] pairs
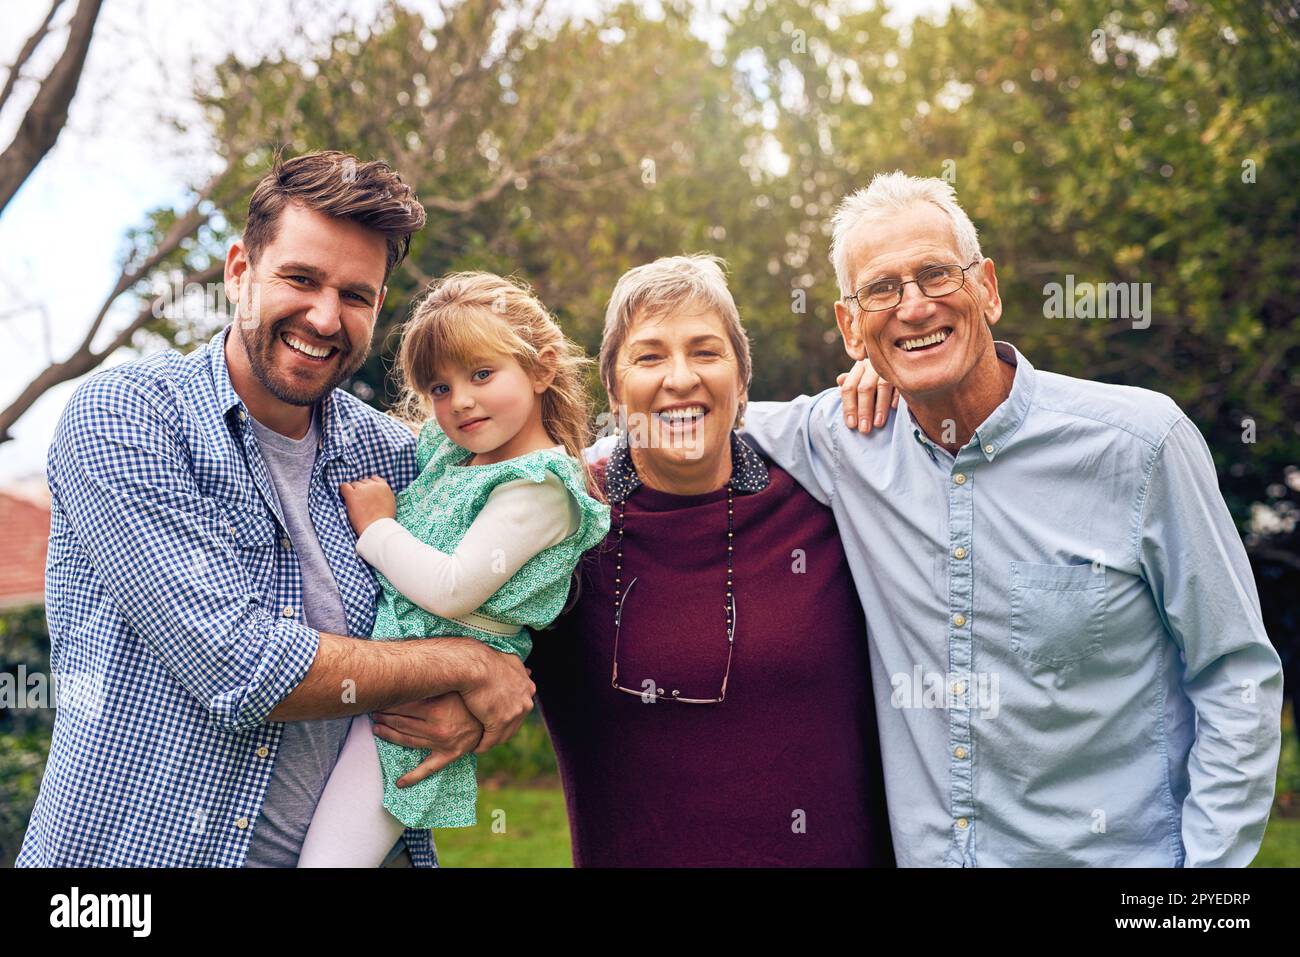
{"points": [[785, 771]]}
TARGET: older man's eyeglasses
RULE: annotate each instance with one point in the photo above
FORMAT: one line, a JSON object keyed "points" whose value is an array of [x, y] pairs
{"points": [[933, 281]]}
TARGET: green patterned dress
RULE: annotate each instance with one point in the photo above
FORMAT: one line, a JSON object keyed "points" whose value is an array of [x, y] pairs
{"points": [[438, 508]]}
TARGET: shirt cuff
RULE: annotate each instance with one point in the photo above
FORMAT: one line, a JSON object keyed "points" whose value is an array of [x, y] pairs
{"points": [[288, 651]]}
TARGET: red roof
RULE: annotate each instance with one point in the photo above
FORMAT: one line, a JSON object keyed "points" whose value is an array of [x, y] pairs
{"points": [[25, 533]]}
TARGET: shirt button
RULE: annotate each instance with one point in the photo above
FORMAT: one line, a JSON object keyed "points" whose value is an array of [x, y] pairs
{"points": [[959, 620], [288, 612], [959, 552], [284, 543], [959, 478], [243, 416], [988, 449], [242, 823], [959, 752], [963, 823], [958, 688], [263, 751]]}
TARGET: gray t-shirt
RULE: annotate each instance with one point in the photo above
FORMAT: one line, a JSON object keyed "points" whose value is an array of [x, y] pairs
{"points": [[308, 749]]}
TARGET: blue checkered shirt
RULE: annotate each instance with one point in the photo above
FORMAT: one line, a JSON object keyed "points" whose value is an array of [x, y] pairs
{"points": [[172, 583]]}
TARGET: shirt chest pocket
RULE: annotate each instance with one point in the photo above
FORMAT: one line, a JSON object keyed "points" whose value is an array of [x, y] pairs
{"points": [[1058, 612], [255, 539]]}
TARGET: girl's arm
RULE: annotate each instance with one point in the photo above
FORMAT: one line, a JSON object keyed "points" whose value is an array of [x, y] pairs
{"points": [[519, 519]]}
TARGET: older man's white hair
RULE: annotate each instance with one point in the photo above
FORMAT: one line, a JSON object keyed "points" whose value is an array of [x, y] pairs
{"points": [[890, 193]]}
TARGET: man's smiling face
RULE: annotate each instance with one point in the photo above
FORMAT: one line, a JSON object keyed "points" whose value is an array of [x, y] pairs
{"points": [[307, 307], [925, 347]]}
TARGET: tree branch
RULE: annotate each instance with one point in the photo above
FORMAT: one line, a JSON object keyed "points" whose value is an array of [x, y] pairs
{"points": [[26, 52], [48, 113], [532, 168], [84, 359], [186, 225], [415, 272], [1269, 554]]}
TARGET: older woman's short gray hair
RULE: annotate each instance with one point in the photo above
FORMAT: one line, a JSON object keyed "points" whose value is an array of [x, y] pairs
{"points": [[889, 193], [667, 285]]}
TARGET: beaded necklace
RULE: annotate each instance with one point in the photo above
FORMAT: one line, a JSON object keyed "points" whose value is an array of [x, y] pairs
{"points": [[729, 604]]}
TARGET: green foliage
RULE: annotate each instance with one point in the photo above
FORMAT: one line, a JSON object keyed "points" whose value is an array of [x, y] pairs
{"points": [[1113, 141], [22, 761], [24, 643], [1281, 847], [525, 758], [24, 733], [1108, 140]]}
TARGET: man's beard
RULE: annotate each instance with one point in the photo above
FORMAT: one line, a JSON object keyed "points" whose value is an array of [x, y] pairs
{"points": [[260, 340]]}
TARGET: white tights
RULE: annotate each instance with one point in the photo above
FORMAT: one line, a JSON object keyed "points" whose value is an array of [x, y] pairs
{"points": [[351, 827]]}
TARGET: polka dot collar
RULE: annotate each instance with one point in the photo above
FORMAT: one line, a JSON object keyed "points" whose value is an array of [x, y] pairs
{"points": [[748, 471]]}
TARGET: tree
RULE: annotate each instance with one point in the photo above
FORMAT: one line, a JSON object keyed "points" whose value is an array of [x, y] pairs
{"points": [[166, 243], [1108, 141], [533, 140], [562, 150]]}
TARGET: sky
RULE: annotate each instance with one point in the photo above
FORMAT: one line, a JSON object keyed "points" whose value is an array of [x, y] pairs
{"points": [[62, 237]]}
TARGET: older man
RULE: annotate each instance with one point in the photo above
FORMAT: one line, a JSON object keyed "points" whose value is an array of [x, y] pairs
{"points": [[1070, 663], [201, 566]]}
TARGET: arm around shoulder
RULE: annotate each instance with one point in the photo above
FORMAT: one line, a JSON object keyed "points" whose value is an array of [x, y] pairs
{"points": [[802, 437]]}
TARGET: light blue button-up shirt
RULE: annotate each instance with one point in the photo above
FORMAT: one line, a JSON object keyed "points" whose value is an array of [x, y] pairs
{"points": [[1069, 661]]}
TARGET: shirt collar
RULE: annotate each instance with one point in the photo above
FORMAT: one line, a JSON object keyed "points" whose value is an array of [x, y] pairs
{"points": [[748, 471], [227, 397], [338, 432], [996, 431]]}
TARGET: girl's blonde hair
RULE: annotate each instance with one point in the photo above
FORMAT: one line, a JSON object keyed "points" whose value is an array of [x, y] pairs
{"points": [[468, 317]]}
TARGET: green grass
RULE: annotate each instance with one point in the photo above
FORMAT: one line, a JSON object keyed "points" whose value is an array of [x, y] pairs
{"points": [[531, 825], [1281, 847], [536, 833], [517, 827]]}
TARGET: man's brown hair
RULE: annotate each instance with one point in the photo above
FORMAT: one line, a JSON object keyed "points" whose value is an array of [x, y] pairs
{"points": [[339, 185]]}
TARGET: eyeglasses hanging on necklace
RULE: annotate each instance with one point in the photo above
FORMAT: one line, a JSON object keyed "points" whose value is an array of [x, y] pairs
{"points": [[655, 693]]}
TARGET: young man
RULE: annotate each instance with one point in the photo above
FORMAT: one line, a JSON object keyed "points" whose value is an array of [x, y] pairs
{"points": [[201, 566]]}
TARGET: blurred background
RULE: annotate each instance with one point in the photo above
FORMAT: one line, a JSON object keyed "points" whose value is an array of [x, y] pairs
{"points": [[1091, 142]]}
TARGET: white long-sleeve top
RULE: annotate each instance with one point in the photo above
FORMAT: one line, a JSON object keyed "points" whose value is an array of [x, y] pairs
{"points": [[518, 520]]}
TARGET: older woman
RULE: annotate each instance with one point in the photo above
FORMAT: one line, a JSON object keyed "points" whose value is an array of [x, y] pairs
{"points": [[708, 695]]}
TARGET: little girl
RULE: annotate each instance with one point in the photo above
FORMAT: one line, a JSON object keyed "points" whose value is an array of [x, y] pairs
{"points": [[482, 543]]}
